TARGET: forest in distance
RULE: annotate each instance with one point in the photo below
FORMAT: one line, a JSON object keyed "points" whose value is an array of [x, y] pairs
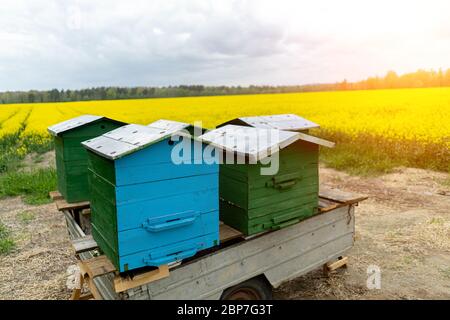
{"points": [[418, 79]]}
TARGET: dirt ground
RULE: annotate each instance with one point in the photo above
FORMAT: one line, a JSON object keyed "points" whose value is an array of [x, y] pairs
{"points": [[403, 228]]}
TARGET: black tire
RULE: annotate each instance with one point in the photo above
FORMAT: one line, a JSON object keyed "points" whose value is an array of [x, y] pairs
{"points": [[253, 289]]}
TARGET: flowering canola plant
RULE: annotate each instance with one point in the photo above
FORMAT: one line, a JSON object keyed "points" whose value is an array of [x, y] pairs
{"points": [[421, 115]]}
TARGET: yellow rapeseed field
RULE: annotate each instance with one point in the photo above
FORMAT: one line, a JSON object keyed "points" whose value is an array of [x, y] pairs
{"points": [[421, 115]]}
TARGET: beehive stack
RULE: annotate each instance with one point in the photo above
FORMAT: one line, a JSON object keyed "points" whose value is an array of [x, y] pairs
{"points": [[146, 210], [71, 157], [252, 201]]}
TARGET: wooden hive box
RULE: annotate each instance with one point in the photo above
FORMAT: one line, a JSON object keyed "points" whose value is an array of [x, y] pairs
{"points": [[146, 210], [253, 202], [71, 157]]}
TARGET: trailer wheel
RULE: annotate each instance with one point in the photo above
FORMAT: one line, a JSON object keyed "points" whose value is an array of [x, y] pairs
{"points": [[253, 289]]}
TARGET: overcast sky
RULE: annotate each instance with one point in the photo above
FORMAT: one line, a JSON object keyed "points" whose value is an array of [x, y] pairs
{"points": [[77, 43]]}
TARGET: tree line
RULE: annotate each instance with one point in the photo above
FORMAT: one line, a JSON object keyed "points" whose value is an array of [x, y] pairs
{"points": [[418, 79]]}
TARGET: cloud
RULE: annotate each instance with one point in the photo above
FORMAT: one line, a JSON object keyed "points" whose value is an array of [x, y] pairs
{"points": [[80, 43]]}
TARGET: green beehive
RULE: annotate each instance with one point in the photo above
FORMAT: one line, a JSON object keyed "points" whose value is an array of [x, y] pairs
{"points": [[252, 197], [71, 156]]}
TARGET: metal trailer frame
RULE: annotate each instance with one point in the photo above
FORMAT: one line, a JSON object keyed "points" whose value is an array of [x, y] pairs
{"points": [[279, 256]]}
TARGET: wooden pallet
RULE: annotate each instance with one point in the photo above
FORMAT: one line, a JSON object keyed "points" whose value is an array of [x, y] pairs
{"points": [[101, 265], [80, 211], [62, 204], [55, 195]]}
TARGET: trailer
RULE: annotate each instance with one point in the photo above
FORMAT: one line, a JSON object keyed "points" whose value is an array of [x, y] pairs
{"points": [[239, 268]]}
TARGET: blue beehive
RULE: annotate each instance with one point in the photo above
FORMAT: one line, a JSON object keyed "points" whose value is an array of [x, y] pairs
{"points": [[146, 209]]}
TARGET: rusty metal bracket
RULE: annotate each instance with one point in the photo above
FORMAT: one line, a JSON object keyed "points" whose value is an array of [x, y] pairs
{"points": [[349, 213]]}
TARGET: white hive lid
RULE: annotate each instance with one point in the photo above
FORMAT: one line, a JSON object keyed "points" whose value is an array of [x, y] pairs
{"points": [[129, 139], [256, 143], [73, 123], [168, 125], [290, 122]]}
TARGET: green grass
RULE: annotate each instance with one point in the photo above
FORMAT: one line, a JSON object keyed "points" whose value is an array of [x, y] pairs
{"points": [[34, 186], [26, 216], [446, 182], [369, 155], [358, 162], [7, 244], [445, 272], [437, 220], [13, 149]]}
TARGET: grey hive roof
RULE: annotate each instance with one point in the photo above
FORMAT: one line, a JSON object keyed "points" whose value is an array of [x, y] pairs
{"points": [[289, 122], [168, 125], [73, 123], [256, 143], [131, 138]]}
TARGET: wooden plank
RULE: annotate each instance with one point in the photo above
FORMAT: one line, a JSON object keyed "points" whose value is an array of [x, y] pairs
{"points": [[84, 244], [338, 264], [331, 266], [227, 233], [63, 205], [97, 266], [89, 269], [72, 225], [340, 196], [94, 290], [87, 296], [76, 293], [55, 195], [326, 205], [122, 283]]}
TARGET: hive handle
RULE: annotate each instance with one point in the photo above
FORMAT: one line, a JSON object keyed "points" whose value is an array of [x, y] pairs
{"points": [[172, 222], [284, 181], [281, 185], [286, 184], [285, 224]]}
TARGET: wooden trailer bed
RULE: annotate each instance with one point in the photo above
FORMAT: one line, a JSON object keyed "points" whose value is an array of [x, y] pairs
{"points": [[275, 256]]}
